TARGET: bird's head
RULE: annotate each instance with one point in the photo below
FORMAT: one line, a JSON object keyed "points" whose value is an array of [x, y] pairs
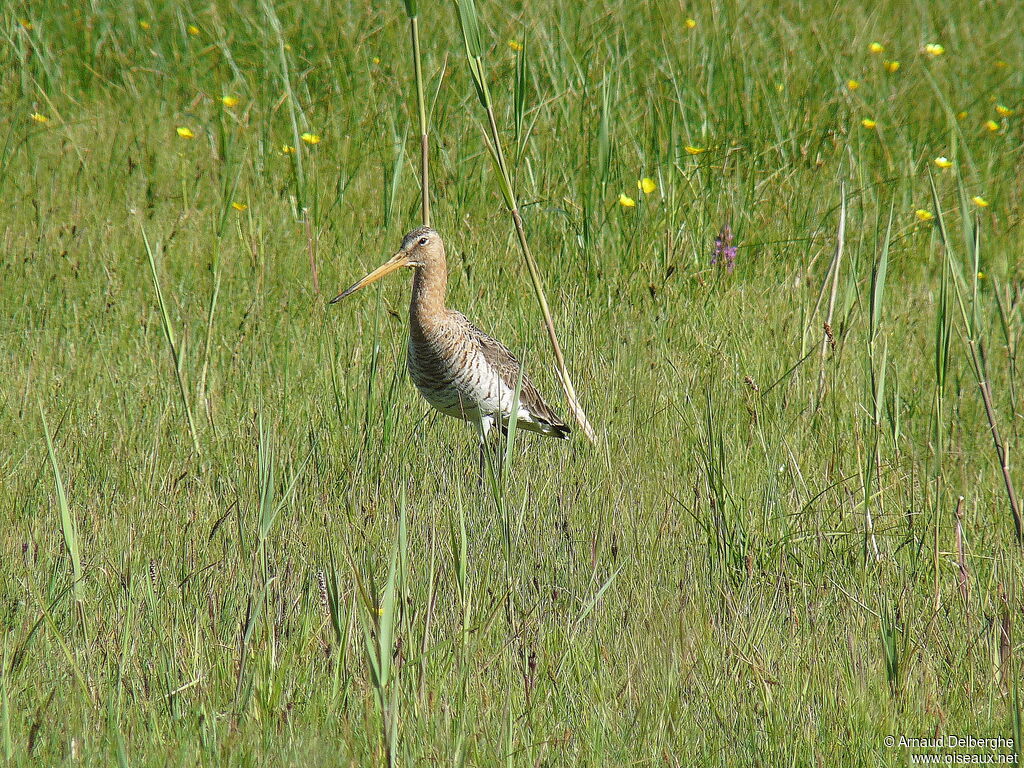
{"points": [[420, 248]]}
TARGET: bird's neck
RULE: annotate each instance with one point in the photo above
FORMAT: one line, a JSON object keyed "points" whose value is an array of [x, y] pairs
{"points": [[428, 291]]}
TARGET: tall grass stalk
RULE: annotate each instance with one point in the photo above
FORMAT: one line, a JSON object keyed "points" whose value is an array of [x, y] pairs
{"points": [[1018, 729], [56, 632], [394, 180], [969, 315], [429, 620], [876, 362], [894, 646], [5, 706], [311, 249], [470, 26], [175, 350], [1010, 312], [837, 260], [459, 543], [286, 81], [519, 103], [421, 111], [380, 622], [963, 575], [943, 334], [204, 395], [68, 527], [116, 702]]}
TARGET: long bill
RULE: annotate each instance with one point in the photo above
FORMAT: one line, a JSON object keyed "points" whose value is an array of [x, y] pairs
{"points": [[396, 262]]}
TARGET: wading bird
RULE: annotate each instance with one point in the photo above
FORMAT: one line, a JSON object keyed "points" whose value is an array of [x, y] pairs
{"points": [[458, 368]]}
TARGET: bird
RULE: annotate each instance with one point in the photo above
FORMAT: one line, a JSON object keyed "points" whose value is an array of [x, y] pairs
{"points": [[457, 368]]}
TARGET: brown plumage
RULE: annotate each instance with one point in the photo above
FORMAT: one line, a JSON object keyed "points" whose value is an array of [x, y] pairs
{"points": [[458, 368], [508, 366]]}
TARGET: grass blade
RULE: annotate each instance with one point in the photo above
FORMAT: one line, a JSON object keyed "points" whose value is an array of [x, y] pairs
{"points": [[68, 528]]}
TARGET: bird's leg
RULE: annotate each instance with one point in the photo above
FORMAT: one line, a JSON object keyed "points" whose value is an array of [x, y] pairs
{"points": [[480, 474], [485, 424], [499, 449]]}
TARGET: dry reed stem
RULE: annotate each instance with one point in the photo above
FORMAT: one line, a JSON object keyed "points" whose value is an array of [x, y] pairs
{"points": [[834, 269]]}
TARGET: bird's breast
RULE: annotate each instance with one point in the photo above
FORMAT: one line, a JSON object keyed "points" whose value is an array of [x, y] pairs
{"points": [[453, 376]]}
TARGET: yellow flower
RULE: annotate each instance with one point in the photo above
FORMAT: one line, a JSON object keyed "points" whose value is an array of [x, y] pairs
{"points": [[192, 29], [868, 123], [239, 206], [184, 132], [891, 66], [25, 23], [626, 201], [934, 49], [646, 185], [310, 138], [690, 150], [376, 59], [981, 275], [961, 115], [876, 47], [1003, 110], [992, 125], [229, 101], [924, 215], [39, 118], [144, 24], [979, 201], [690, 23], [287, 149], [515, 45], [943, 163], [853, 85]]}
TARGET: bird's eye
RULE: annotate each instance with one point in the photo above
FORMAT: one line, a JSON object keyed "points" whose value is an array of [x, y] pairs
{"points": [[423, 241]]}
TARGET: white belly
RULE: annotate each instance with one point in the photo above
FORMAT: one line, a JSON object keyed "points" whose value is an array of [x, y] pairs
{"points": [[467, 392]]}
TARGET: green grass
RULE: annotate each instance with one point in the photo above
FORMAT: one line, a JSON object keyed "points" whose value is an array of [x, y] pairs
{"points": [[285, 557]]}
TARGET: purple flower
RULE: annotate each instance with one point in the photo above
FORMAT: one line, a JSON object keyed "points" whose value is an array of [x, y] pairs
{"points": [[725, 251]]}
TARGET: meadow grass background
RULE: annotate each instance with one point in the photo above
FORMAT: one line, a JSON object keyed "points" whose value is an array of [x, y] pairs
{"points": [[750, 567]]}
